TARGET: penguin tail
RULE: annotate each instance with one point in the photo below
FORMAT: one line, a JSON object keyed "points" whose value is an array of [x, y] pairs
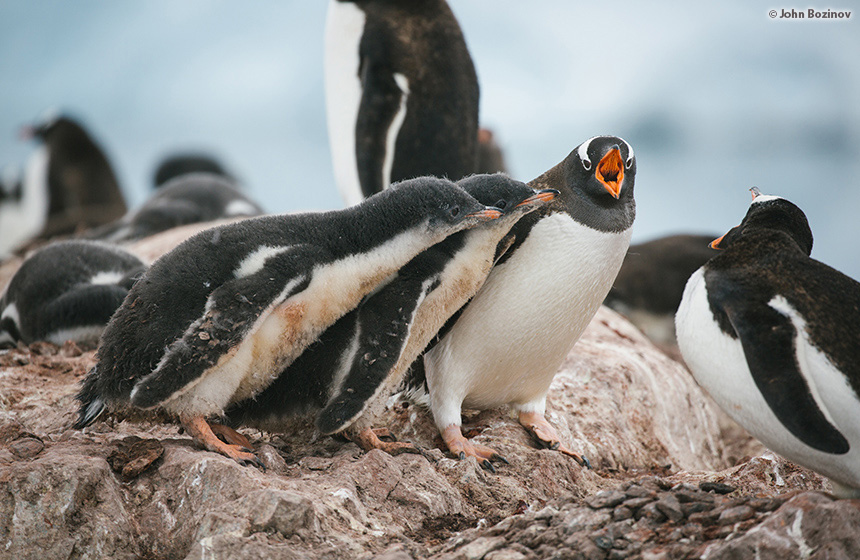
{"points": [[88, 413], [92, 405]]}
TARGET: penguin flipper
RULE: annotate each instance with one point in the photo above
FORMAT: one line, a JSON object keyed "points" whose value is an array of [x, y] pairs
{"points": [[381, 100], [232, 312], [390, 312], [769, 342]]}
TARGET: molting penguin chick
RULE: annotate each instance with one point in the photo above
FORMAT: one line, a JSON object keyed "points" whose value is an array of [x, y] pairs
{"points": [[771, 334], [218, 318], [73, 177], [510, 340], [66, 291], [401, 94], [188, 199], [354, 365]]}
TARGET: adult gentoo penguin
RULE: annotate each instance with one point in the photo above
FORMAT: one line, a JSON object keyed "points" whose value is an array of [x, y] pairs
{"points": [[66, 291], [216, 319], [73, 175], [509, 341], [187, 199], [355, 364], [401, 94], [772, 335]]}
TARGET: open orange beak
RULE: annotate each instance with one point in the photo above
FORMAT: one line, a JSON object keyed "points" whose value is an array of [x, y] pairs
{"points": [[610, 172], [544, 195]]}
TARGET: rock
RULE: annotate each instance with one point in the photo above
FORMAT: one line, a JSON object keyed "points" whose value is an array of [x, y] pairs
{"points": [[809, 525], [606, 499], [734, 515], [716, 487], [670, 507], [617, 399]]}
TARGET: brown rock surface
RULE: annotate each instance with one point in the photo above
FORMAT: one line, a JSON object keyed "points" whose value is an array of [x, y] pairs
{"points": [[123, 489]]}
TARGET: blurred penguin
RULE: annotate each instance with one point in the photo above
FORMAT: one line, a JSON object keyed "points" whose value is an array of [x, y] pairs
{"points": [[649, 287], [182, 163], [187, 199], [69, 180], [401, 94]]}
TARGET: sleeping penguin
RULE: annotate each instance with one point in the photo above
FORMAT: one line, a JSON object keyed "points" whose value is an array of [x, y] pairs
{"points": [[187, 199], [217, 319], [67, 290], [771, 334], [355, 364]]}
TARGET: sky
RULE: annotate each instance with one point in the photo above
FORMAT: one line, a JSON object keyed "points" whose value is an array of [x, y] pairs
{"points": [[714, 97]]}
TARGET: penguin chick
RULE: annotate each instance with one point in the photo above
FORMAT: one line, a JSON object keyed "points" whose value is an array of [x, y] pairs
{"points": [[355, 364], [771, 334], [188, 199], [506, 345], [215, 320], [401, 94], [67, 290]]}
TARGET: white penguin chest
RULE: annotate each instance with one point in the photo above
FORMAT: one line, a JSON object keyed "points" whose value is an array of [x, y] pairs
{"points": [[344, 27], [509, 342], [719, 365]]}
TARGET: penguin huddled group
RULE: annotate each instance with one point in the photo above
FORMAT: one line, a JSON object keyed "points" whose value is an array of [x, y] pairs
{"points": [[458, 285]]}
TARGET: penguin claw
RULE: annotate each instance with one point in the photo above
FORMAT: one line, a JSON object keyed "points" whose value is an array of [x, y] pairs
{"points": [[462, 456], [500, 459], [488, 466]]}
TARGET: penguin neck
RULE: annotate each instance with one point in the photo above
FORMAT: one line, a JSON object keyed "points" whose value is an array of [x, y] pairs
{"points": [[753, 246]]}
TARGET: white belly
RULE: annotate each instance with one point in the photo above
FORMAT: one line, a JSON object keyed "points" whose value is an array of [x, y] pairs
{"points": [[509, 343], [20, 222], [344, 28], [719, 366]]}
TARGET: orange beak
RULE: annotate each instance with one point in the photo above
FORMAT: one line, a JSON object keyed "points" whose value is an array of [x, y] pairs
{"points": [[487, 214], [610, 172], [715, 244], [544, 195]]}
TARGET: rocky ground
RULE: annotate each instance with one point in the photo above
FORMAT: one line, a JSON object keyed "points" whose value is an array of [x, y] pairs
{"points": [[672, 478]]}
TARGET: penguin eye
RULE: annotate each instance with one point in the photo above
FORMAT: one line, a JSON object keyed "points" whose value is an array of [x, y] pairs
{"points": [[629, 163], [455, 211], [500, 204], [586, 163]]}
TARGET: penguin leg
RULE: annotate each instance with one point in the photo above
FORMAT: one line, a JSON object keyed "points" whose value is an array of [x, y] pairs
{"points": [[230, 435], [367, 439], [201, 431], [462, 448], [539, 426]]}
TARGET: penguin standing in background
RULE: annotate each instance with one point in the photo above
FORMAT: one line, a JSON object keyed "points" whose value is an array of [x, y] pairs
{"points": [[215, 320], [401, 94], [189, 198], [351, 369], [507, 344], [72, 177], [66, 291], [651, 281], [771, 334]]}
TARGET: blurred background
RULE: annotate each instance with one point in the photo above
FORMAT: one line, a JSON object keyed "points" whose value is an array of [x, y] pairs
{"points": [[714, 98]]}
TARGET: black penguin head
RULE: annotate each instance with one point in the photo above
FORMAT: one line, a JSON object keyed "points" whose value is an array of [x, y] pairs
{"points": [[440, 203], [51, 125], [770, 213], [183, 163], [604, 167], [506, 194]]}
